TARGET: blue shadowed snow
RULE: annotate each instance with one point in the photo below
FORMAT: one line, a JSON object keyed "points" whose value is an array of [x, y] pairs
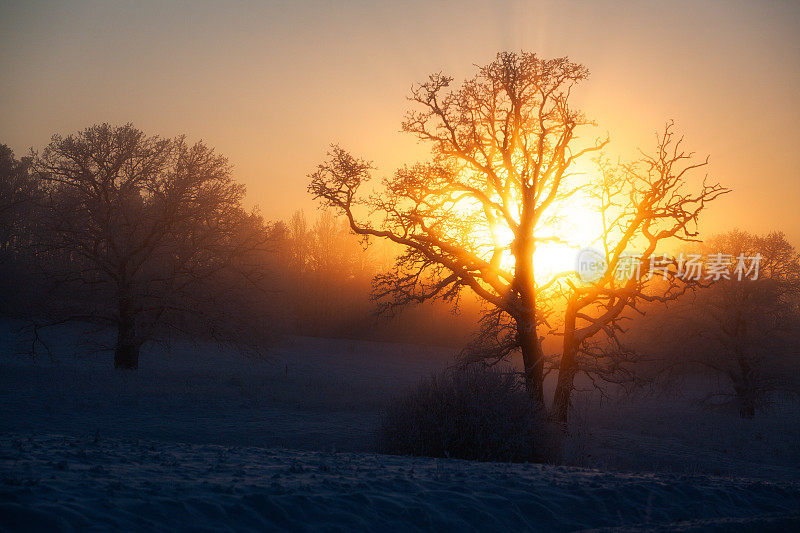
{"points": [[203, 438]]}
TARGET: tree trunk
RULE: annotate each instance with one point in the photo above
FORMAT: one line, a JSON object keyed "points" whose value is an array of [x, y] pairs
{"points": [[745, 389], [126, 352], [126, 356], [747, 405], [567, 368], [531, 346], [523, 249], [532, 359], [566, 374]]}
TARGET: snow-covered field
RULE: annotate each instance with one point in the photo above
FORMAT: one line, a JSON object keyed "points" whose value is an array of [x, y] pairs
{"points": [[204, 439], [310, 394], [57, 482]]}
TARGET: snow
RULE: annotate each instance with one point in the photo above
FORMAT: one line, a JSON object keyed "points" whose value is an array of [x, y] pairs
{"points": [[310, 393], [72, 483], [204, 439]]}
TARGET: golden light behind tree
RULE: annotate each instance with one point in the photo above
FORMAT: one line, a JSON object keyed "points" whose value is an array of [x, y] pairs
{"points": [[505, 202]]}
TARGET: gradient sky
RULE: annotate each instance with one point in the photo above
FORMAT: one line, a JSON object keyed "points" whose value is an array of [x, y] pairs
{"points": [[270, 85]]}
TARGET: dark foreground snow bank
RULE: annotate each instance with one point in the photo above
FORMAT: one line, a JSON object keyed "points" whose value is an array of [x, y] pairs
{"points": [[64, 483]]}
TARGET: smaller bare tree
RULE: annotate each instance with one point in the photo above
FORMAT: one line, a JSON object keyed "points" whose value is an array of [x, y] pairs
{"points": [[144, 222], [643, 206], [742, 329]]}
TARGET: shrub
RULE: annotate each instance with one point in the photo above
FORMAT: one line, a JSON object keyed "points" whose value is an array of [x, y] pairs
{"points": [[476, 414]]}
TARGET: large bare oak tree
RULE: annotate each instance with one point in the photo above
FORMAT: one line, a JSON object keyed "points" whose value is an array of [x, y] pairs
{"points": [[507, 154], [502, 144]]}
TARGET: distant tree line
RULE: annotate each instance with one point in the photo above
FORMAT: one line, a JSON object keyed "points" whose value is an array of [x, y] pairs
{"points": [[327, 281]]}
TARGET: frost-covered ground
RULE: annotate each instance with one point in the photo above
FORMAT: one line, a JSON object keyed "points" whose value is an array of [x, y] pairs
{"points": [[200, 438], [310, 394], [56, 482]]}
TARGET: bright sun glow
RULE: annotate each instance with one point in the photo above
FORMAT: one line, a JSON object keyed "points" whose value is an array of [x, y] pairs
{"points": [[578, 225]]}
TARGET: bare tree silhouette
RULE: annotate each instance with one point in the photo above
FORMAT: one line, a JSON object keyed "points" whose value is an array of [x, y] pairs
{"points": [[743, 330], [643, 205], [151, 221], [503, 145]]}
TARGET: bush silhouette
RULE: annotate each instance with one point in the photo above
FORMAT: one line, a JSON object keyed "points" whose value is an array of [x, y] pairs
{"points": [[476, 414]]}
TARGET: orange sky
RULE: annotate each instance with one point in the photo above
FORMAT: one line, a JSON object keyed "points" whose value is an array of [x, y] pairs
{"points": [[270, 85]]}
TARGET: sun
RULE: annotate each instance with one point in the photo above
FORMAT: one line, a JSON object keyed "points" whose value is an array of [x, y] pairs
{"points": [[579, 225], [574, 224]]}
